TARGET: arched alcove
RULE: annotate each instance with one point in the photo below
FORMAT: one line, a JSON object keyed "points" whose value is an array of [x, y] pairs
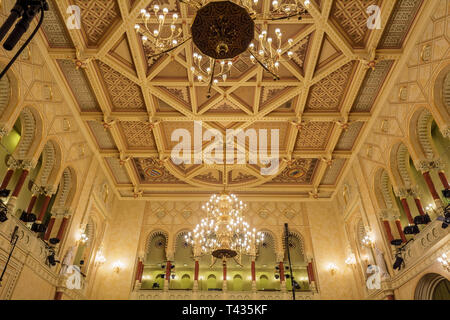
{"points": [[432, 286]]}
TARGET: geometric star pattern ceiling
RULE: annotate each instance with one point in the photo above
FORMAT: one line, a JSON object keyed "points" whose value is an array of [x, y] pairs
{"points": [[325, 95]]}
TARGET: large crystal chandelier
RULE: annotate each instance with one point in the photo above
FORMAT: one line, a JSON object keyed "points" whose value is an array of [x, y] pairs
{"points": [[224, 233], [221, 31]]}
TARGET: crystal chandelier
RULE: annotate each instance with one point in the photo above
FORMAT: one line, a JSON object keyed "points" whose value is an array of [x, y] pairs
{"points": [[224, 233], [221, 31]]}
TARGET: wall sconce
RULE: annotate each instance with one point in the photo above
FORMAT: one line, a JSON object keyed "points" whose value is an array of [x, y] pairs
{"points": [[351, 260], [303, 279], [332, 268], [146, 278], [430, 209], [368, 241], [82, 238], [445, 263], [100, 258], [117, 266]]}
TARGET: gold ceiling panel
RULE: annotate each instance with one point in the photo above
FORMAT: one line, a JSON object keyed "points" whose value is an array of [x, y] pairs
{"points": [[132, 103], [97, 17], [352, 17]]}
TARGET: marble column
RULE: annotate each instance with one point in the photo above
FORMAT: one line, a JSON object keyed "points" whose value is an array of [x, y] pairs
{"points": [[13, 199], [224, 278], [253, 269], [443, 179], [48, 232], [44, 208], [407, 210], [424, 167], [13, 165], [196, 272], [62, 229], [387, 227], [7, 179], [167, 276], [400, 230]]}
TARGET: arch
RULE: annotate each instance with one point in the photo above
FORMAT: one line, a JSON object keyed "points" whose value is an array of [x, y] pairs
{"points": [[5, 94], [185, 281], [153, 236], [297, 247], [9, 96], [385, 188], [399, 164], [427, 285], [420, 134], [271, 238], [441, 96], [178, 236], [211, 282], [377, 188], [32, 133], [66, 191], [51, 164], [264, 282], [238, 283]]}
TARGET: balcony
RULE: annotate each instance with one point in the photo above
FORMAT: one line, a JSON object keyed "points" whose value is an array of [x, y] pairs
{"points": [[220, 295], [426, 243]]}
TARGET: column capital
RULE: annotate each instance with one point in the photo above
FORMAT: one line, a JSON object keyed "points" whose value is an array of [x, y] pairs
{"points": [[170, 255], [27, 164], [422, 165], [3, 132], [401, 192], [437, 164], [36, 190], [414, 192], [389, 214], [12, 163], [446, 132], [49, 190], [280, 256]]}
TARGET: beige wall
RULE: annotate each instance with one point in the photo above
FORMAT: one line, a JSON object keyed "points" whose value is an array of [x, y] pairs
{"points": [[329, 245], [121, 243]]}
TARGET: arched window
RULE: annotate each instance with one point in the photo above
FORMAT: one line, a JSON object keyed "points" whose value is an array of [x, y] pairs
{"points": [[186, 282], [211, 282], [264, 283], [298, 261], [238, 283], [155, 260], [266, 261]]}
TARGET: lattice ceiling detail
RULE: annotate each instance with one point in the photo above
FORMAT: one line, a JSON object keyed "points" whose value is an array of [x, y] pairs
{"points": [[131, 104]]}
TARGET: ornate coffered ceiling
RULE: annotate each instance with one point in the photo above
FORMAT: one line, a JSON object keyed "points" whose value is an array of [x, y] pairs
{"points": [[320, 106]]}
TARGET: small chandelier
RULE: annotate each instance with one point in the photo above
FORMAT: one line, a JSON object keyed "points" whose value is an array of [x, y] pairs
{"points": [[266, 55], [224, 233]]}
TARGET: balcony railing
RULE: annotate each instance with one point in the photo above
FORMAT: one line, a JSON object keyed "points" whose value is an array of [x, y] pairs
{"points": [[220, 295], [424, 243]]}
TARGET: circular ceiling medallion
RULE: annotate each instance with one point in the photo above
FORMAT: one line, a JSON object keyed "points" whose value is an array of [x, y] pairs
{"points": [[153, 172], [222, 30], [296, 173]]}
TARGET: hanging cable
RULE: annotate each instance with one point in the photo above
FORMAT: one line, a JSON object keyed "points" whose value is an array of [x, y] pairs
{"points": [[21, 28]]}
